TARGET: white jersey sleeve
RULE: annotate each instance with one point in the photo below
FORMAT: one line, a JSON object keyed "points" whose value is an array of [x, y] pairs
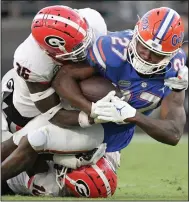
{"points": [[95, 21], [32, 63]]}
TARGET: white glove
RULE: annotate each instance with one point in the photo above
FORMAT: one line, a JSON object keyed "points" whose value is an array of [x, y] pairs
{"points": [[180, 82], [104, 99], [116, 110]]}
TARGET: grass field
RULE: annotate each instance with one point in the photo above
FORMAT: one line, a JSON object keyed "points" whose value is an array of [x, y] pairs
{"points": [[149, 171]]}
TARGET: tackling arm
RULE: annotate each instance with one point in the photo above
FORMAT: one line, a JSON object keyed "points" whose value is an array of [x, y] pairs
{"points": [[67, 86], [169, 128], [61, 117], [66, 81]]}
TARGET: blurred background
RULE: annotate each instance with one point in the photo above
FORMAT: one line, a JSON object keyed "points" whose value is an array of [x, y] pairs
{"points": [[119, 15]]}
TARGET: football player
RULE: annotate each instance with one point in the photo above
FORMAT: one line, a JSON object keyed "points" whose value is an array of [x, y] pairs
{"points": [[148, 65], [93, 181], [113, 56], [63, 36]]}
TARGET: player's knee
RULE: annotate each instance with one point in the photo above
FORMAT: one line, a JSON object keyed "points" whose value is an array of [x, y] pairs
{"points": [[38, 139]]}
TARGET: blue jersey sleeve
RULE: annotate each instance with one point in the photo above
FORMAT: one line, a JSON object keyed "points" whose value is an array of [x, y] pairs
{"points": [[176, 63]]}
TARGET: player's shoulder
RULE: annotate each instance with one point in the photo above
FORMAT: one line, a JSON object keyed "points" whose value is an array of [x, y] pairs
{"points": [[87, 12], [181, 56], [31, 56], [111, 50], [95, 21], [177, 62]]}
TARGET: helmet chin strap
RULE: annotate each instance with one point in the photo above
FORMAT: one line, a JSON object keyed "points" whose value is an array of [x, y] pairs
{"points": [[144, 68]]}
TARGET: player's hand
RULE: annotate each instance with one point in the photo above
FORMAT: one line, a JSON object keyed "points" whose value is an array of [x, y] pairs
{"points": [[116, 111], [180, 82], [107, 98]]}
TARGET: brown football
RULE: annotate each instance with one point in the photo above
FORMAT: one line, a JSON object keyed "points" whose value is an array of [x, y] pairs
{"points": [[96, 87]]}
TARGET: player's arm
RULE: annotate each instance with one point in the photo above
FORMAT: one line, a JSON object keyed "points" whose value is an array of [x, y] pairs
{"points": [[45, 97], [66, 84], [48, 102], [172, 117], [66, 81], [169, 128]]}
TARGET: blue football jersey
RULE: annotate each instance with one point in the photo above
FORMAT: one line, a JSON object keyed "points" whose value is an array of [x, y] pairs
{"points": [[109, 56]]}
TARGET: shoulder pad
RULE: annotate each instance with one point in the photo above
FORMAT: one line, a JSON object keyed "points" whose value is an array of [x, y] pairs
{"points": [[95, 21], [36, 63]]}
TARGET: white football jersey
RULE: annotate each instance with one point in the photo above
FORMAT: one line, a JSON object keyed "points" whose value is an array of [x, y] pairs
{"points": [[43, 184], [33, 64]]}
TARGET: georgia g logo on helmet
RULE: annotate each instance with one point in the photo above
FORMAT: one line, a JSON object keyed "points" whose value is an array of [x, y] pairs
{"points": [[82, 188], [54, 41]]}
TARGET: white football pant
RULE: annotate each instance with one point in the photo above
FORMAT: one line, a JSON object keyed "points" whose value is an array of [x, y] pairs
{"points": [[46, 137]]}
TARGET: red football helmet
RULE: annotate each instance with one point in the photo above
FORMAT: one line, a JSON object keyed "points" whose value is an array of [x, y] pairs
{"points": [[92, 181], [62, 33], [161, 30]]}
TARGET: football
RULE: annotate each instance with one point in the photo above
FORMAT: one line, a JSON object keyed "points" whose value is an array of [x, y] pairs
{"points": [[96, 87]]}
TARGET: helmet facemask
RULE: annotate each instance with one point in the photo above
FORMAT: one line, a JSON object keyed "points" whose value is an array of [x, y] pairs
{"points": [[142, 66], [79, 52], [61, 176]]}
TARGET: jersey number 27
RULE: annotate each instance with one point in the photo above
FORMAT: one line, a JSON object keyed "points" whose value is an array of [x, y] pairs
{"points": [[124, 42]]}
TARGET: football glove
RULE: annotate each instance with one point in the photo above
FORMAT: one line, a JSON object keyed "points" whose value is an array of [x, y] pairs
{"points": [[180, 82], [116, 111], [104, 99]]}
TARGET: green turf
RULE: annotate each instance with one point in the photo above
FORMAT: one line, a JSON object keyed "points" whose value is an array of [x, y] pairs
{"points": [[149, 171]]}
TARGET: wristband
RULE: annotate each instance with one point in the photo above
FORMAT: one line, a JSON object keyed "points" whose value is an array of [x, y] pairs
{"points": [[83, 120]]}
